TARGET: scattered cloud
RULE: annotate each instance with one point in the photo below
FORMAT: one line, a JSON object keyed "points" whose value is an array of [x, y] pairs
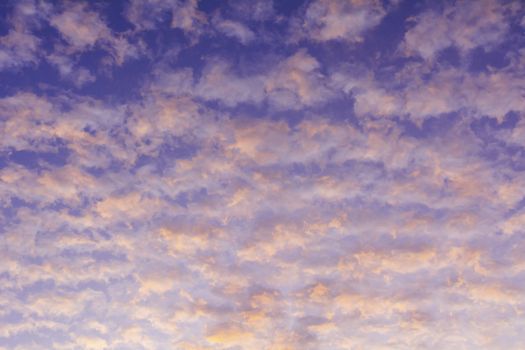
{"points": [[260, 192], [463, 24], [341, 20]]}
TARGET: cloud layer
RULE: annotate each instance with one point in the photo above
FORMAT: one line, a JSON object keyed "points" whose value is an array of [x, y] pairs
{"points": [[191, 175]]}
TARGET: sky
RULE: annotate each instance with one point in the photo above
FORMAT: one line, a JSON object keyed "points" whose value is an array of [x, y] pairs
{"points": [[262, 175]]}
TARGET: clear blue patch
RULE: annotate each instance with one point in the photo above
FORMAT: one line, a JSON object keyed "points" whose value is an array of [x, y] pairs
{"points": [[106, 256], [168, 153], [209, 6], [58, 205], [340, 110], [304, 170], [378, 51], [486, 126], [246, 60], [92, 59], [36, 160], [90, 130], [33, 78], [246, 110], [95, 171], [182, 199], [517, 208], [187, 197], [49, 36], [287, 7], [177, 149], [252, 59], [112, 12], [292, 117], [117, 83], [449, 57], [144, 160], [431, 127], [483, 61], [4, 159], [11, 317], [386, 37], [40, 286], [6, 8], [504, 155], [193, 57], [164, 39], [9, 213]]}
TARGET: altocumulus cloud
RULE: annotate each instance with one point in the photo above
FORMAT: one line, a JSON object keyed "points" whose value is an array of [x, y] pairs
{"points": [[310, 174]]}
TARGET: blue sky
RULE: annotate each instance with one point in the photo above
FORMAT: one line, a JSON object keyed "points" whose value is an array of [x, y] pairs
{"points": [[321, 174]]}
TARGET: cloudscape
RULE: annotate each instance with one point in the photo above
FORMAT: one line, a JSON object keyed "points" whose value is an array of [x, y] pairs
{"points": [[262, 175]]}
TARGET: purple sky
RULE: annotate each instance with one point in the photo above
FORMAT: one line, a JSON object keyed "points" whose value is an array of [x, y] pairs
{"points": [[258, 175]]}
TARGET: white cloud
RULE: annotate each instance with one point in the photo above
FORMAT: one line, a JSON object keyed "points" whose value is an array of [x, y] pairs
{"points": [[442, 91], [83, 29], [233, 89], [80, 27], [433, 31], [79, 76], [18, 49], [341, 20], [236, 30], [147, 15], [293, 83]]}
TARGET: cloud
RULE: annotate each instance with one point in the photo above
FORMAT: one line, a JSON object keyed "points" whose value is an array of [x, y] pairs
{"points": [[184, 14], [187, 17], [258, 10], [78, 75], [228, 335], [444, 90], [339, 20], [234, 89], [79, 26], [83, 29], [18, 49], [91, 342], [279, 245], [297, 81], [278, 197], [436, 31], [292, 84], [236, 30]]}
